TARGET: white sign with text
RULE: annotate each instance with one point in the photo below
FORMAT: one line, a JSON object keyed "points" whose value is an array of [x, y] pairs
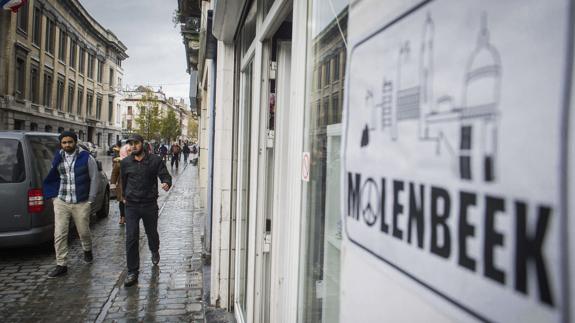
{"points": [[452, 148]]}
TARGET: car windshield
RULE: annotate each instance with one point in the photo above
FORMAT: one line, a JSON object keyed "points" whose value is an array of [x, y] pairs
{"points": [[43, 149], [12, 168]]}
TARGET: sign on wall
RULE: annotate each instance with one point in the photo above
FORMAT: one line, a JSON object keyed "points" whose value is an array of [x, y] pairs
{"points": [[452, 150]]}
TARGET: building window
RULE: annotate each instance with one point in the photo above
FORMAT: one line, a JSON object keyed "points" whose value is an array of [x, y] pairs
{"points": [[90, 65], [37, 31], [48, 128], [100, 70], [33, 126], [98, 107], [48, 79], [111, 110], [80, 100], [22, 18], [129, 124], [72, 53], [50, 36], [60, 94], [62, 46], [129, 110], [60, 129], [19, 78], [336, 67], [34, 84], [19, 124], [321, 226], [327, 72], [89, 103], [111, 78], [71, 93], [82, 60]]}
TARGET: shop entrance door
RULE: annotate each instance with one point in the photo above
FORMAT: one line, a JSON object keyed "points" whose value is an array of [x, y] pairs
{"points": [[279, 100]]}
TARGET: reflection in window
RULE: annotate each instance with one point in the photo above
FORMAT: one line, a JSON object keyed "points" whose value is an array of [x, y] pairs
{"points": [[249, 29], [322, 226], [43, 149], [245, 128], [12, 168]]}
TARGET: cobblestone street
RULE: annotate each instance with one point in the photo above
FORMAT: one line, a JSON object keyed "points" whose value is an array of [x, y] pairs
{"points": [[170, 292]]}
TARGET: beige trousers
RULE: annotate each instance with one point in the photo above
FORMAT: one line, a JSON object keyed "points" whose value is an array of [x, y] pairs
{"points": [[80, 212]]}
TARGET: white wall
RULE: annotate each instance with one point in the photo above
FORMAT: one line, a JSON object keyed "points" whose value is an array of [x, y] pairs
{"points": [[221, 270]]}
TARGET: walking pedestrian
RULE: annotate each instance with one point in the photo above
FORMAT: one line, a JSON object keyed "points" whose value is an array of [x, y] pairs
{"points": [[140, 188], [186, 151], [175, 151], [72, 183], [195, 152], [164, 152], [125, 151]]}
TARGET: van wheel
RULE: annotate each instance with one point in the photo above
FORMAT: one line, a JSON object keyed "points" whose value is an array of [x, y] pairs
{"points": [[105, 209]]}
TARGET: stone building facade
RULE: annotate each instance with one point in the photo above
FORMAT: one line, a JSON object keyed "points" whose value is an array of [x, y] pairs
{"points": [[60, 70]]}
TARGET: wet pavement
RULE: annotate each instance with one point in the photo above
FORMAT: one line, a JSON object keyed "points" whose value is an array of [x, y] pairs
{"points": [[170, 292]]}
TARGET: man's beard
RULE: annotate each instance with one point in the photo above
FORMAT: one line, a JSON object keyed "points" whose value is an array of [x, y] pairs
{"points": [[70, 149], [138, 152]]}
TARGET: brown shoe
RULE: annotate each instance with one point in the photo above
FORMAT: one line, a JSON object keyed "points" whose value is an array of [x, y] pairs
{"points": [[122, 220]]}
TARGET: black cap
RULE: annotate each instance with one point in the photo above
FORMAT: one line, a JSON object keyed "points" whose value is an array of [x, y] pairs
{"points": [[71, 134], [136, 137]]}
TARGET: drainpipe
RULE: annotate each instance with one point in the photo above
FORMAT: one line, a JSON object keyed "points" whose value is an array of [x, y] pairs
{"points": [[211, 53], [212, 133]]}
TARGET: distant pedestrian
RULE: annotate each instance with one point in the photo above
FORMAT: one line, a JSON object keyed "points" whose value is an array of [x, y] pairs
{"points": [[164, 152], [72, 183], [195, 152], [139, 173], [125, 151], [175, 152], [186, 151], [116, 149]]}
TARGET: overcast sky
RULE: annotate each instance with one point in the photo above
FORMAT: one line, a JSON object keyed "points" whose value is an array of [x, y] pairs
{"points": [[157, 54]]}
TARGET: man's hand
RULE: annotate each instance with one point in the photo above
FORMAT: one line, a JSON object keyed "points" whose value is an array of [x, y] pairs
{"points": [[165, 186]]}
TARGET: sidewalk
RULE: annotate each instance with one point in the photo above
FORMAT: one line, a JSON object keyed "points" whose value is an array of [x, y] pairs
{"points": [[171, 292]]}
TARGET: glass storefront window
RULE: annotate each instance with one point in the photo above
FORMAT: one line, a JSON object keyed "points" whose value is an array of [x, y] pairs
{"points": [[248, 32], [320, 271], [244, 162]]}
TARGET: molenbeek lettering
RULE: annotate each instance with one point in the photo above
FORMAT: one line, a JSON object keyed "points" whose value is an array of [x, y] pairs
{"points": [[433, 223]]}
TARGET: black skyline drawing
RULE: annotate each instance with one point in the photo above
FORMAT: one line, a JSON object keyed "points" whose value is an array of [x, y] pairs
{"points": [[411, 97]]}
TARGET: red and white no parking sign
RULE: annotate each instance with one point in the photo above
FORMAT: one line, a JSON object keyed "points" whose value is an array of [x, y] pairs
{"points": [[305, 164]]}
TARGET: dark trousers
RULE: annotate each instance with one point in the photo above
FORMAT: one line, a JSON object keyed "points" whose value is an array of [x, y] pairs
{"points": [[149, 215], [122, 209], [175, 159]]}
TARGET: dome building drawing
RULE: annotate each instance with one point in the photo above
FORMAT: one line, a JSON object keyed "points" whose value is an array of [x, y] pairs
{"points": [[478, 139]]}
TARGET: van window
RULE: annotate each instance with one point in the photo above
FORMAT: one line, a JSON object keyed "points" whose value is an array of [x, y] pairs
{"points": [[43, 150], [12, 168]]}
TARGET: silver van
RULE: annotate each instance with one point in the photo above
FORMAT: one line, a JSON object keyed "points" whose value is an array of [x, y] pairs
{"points": [[26, 218]]}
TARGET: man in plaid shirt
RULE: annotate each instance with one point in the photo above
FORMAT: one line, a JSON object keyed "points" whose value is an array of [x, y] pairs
{"points": [[73, 184]]}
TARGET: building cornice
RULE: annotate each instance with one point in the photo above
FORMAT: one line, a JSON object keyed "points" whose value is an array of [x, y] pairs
{"points": [[81, 15]]}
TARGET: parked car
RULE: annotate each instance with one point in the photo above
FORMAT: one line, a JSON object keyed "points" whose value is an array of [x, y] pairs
{"points": [[25, 160]]}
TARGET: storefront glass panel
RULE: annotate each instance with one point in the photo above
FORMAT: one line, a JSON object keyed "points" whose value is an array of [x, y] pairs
{"points": [[244, 162], [320, 253]]}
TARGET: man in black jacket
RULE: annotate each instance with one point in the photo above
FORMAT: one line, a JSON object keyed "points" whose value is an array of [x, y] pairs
{"points": [[139, 173]]}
